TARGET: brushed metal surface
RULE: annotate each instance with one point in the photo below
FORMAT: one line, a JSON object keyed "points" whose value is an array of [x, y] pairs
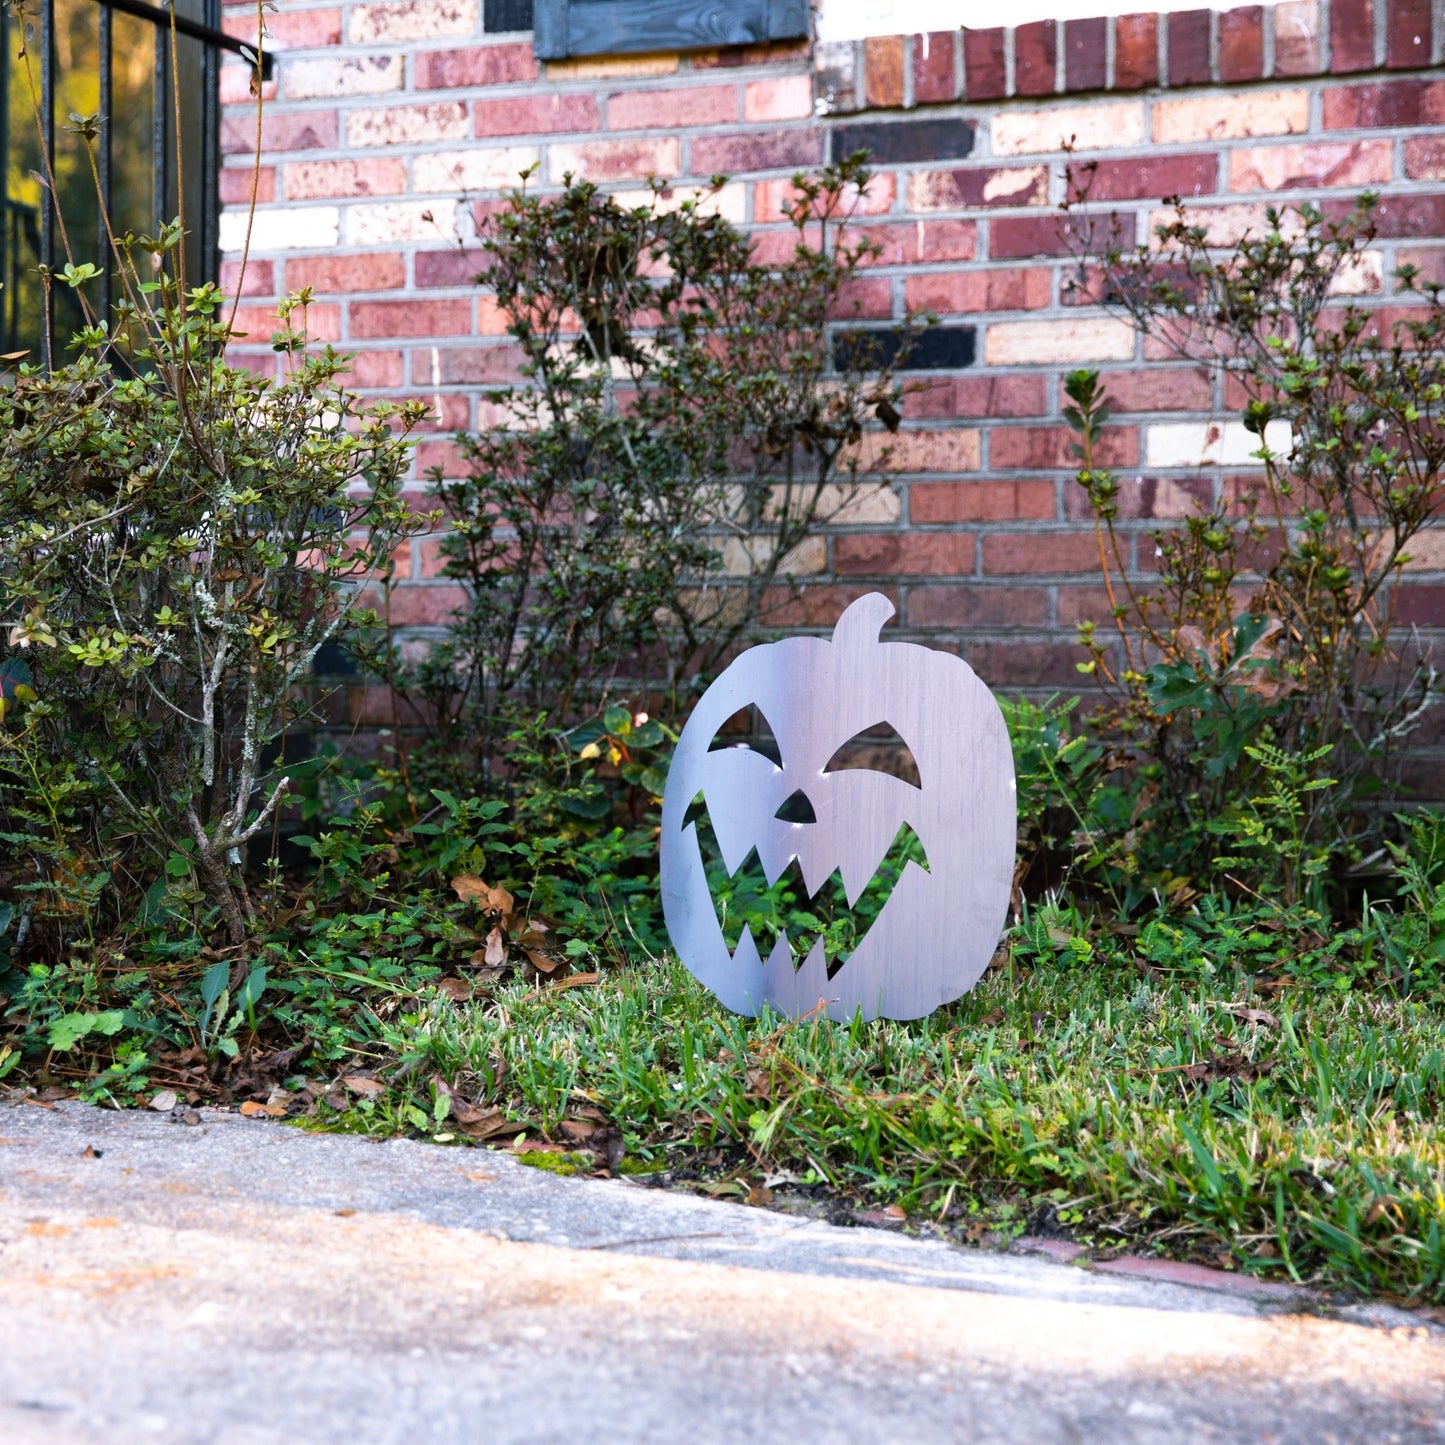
{"points": [[940, 926]]}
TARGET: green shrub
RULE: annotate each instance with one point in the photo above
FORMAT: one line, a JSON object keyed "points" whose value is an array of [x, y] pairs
{"points": [[178, 540], [1265, 640]]}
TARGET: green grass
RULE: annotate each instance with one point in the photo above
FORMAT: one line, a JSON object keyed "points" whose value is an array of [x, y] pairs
{"points": [[1141, 1111]]}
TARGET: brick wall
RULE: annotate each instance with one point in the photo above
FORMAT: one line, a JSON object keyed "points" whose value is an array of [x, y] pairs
{"points": [[389, 126]]}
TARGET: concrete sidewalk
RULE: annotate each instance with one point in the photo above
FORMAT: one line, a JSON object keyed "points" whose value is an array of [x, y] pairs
{"points": [[240, 1281]]}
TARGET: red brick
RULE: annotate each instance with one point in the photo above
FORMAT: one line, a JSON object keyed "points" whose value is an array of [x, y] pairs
{"points": [[1385, 103], [1188, 47], [959, 292], [771, 198], [1014, 237], [1296, 37], [446, 456], [322, 323], [1408, 34], [1085, 54], [451, 267], [297, 30], [656, 109], [818, 605], [761, 151], [373, 176], [985, 65], [1352, 36], [981, 501], [923, 241], [615, 160], [419, 605], [259, 278], [971, 187], [297, 131], [1159, 388], [235, 185], [371, 370], [1420, 604], [1241, 43], [991, 396], [1425, 158], [1039, 448], [1136, 52], [1145, 498], [535, 115], [476, 65], [934, 80], [1086, 604], [1014, 664], [340, 275], [1411, 215], [903, 554], [471, 365], [1155, 176], [883, 71], [975, 606], [373, 319], [1035, 50], [869, 297]]}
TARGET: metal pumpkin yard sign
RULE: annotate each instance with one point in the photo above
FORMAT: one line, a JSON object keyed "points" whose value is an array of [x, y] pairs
{"points": [[794, 874]]}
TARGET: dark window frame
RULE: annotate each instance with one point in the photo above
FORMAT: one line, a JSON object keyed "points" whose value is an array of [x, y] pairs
{"points": [[567, 28]]}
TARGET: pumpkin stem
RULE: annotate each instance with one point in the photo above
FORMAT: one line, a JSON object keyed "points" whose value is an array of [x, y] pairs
{"points": [[863, 619]]}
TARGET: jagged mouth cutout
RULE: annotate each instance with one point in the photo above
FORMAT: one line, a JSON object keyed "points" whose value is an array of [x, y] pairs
{"points": [[747, 900]]}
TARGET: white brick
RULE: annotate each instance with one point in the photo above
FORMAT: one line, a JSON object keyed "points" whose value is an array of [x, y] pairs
{"points": [[282, 228], [1210, 444], [1042, 343], [1092, 127], [731, 202], [480, 169], [328, 79], [401, 221]]}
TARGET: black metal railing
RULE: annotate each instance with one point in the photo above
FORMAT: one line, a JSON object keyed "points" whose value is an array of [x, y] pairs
{"points": [[112, 59]]}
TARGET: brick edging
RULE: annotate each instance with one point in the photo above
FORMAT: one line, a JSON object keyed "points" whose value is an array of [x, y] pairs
{"points": [[1292, 39]]}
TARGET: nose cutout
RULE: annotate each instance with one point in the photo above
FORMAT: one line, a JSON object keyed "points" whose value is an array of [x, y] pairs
{"points": [[797, 809]]}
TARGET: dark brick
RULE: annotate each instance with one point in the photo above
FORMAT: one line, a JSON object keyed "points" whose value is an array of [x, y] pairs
{"points": [[499, 16], [1156, 176], [1408, 215], [904, 141], [1387, 103], [1408, 34], [870, 348], [1035, 52], [1188, 47], [954, 605], [1352, 36], [985, 65], [1136, 52], [1085, 54], [934, 80], [1241, 43], [1013, 237]]}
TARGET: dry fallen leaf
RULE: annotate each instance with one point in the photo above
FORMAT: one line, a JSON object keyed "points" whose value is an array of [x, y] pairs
{"points": [[578, 980], [542, 962], [496, 950], [471, 889], [164, 1102], [362, 1084], [1252, 1015], [456, 989]]}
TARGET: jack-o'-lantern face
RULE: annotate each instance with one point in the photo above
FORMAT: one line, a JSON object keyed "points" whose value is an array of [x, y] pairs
{"points": [[899, 883]]}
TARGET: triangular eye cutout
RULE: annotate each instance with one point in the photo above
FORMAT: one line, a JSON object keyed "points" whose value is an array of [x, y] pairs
{"points": [[797, 808], [877, 749], [742, 731]]}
